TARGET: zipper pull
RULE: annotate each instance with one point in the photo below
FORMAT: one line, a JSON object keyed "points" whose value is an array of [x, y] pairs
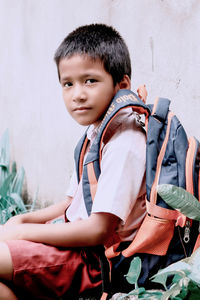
{"points": [[186, 237]]}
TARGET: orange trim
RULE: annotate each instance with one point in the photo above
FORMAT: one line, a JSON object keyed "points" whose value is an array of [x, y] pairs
{"points": [[146, 123], [189, 165], [137, 109], [83, 150], [104, 296], [111, 251], [153, 196], [161, 212], [155, 106], [92, 180]]}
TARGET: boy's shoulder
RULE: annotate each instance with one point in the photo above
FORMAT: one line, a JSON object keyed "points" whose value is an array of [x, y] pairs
{"points": [[125, 129]]}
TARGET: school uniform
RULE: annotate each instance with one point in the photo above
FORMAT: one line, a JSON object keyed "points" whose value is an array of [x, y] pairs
{"points": [[47, 272]]}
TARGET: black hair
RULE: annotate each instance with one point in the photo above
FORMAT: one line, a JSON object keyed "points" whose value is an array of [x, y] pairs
{"points": [[98, 41]]}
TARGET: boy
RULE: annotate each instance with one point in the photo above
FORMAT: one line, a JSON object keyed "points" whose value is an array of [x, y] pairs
{"points": [[48, 260]]}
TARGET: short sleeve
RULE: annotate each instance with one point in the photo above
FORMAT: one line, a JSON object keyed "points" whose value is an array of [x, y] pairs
{"points": [[122, 172], [73, 185]]}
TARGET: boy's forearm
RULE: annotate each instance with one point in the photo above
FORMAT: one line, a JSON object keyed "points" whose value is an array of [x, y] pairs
{"points": [[45, 214], [88, 232]]}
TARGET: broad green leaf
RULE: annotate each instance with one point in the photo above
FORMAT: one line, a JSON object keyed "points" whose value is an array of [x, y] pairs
{"points": [[194, 262], [161, 278], [194, 258], [179, 198], [179, 267], [134, 271]]}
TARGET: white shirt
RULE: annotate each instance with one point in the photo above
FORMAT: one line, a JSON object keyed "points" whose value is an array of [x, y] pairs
{"points": [[121, 184]]}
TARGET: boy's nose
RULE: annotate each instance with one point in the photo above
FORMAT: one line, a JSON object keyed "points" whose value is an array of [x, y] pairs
{"points": [[79, 94]]}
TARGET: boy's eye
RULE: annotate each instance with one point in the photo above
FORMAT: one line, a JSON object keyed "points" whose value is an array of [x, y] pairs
{"points": [[67, 84], [90, 81]]}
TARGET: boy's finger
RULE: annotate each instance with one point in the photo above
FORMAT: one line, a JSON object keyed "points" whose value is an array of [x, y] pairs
{"points": [[142, 92]]}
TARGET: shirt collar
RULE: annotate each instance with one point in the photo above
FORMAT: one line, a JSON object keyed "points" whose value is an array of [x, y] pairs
{"points": [[92, 132]]}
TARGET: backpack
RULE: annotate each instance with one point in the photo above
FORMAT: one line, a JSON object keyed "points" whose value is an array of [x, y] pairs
{"points": [[165, 235]]}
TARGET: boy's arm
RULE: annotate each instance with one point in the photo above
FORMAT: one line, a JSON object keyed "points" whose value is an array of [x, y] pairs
{"points": [[90, 232], [42, 215]]}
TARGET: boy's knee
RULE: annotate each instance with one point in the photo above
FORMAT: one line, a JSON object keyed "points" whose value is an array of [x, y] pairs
{"points": [[6, 293], [6, 266]]}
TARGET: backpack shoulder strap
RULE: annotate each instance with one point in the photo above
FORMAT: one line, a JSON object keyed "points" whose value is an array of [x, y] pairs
{"points": [[160, 109], [156, 122], [123, 99], [79, 153], [90, 169]]}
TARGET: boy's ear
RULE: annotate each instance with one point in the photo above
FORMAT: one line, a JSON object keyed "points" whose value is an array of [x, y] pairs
{"points": [[125, 83]]}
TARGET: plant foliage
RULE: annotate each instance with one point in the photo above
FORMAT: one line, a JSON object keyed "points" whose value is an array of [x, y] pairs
{"points": [[11, 184], [186, 272], [179, 198], [185, 285]]}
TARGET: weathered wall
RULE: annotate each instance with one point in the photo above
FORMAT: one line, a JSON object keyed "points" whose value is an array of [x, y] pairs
{"points": [[162, 36]]}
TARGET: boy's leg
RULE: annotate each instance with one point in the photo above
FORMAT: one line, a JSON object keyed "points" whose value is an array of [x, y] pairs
{"points": [[6, 266], [6, 271], [6, 293]]}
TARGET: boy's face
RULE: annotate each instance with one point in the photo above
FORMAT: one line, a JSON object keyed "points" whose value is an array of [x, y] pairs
{"points": [[87, 88]]}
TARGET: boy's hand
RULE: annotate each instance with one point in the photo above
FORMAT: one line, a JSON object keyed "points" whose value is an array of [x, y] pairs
{"points": [[18, 219], [142, 92]]}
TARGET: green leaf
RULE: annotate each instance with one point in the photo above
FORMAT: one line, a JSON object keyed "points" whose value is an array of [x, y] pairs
{"points": [[177, 278], [194, 262], [179, 198], [180, 267], [14, 168], [138, 291], [161, 278], [18, 181], [134, 271], [18, 200], [5, 187], [156, 293], [172, 292], [5, 150], [194, 291]]}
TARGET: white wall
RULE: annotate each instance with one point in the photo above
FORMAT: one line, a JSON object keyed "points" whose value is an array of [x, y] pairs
{"points": [[163, 38]]}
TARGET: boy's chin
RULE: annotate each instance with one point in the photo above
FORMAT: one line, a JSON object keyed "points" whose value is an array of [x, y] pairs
{"points": [[84, 123], [88, 123]]}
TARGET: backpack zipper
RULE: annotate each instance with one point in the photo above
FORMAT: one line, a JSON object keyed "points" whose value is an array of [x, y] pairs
{"points": [[186, 237]]}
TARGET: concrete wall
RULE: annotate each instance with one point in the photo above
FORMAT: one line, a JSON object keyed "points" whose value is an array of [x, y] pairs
{"points": [[163, 38]]}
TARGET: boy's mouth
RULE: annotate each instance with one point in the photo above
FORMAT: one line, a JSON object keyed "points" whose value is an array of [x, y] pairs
{"points": [[82, 108]]}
